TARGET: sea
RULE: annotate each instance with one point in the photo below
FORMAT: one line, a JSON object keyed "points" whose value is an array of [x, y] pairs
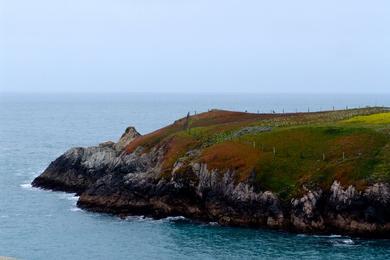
{"points": [[37, 224]]}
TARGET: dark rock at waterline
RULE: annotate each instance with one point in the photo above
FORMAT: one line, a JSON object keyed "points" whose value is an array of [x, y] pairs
{"points": [[79, 167]]}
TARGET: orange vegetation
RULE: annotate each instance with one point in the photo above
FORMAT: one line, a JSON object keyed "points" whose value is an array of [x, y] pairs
{"points": [[231, 156]]}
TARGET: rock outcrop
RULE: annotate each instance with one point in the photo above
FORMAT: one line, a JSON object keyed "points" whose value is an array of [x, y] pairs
{"points": [[111, 180], [128, 136], [80, 167]]}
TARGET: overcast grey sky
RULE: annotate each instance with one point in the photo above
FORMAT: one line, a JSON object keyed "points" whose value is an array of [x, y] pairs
{"points": [[194, 46]]}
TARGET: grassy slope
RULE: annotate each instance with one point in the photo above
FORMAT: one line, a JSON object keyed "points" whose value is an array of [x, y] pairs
{"points": [[311, 149]]}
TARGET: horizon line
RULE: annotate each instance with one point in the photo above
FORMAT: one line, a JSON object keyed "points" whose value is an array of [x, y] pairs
{"points": [[191, 93]]}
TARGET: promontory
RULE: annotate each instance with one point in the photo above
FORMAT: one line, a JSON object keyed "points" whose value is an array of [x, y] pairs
{"points": [[322, 172]]}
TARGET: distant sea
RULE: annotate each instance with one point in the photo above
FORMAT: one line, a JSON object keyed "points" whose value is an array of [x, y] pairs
{"points": [[37, 224]]}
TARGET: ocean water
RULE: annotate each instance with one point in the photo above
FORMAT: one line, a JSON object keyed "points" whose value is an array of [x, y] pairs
{"points": [[37, 224]]}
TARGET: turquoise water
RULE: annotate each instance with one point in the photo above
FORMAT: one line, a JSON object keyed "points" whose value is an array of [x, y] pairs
{"points": [[36, 224]]}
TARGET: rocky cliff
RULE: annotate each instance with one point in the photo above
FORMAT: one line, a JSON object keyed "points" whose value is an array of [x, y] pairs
{"points": [[124, 180]]}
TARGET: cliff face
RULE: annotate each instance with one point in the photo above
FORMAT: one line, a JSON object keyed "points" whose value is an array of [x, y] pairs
{"points": [[79, 167], [344, 210], [112, 179]]}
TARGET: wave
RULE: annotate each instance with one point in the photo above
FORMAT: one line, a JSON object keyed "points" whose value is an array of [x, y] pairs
{"points": [[26, 186], [75, 209], [72, 197], [69, 196], [175, 218], [320, 236], [138, 218], [348, 241], [335, 236], [343, 242], [170, 219]]}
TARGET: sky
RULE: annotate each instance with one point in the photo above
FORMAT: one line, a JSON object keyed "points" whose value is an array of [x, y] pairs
{"points": [[219, 46]]}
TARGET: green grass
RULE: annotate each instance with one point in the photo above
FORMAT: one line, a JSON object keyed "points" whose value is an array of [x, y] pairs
{"points": [[314, 156], [304, 149], [380, 118]]}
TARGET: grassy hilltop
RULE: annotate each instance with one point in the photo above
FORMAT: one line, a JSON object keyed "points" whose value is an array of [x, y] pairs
{"points": [[281, 152]]}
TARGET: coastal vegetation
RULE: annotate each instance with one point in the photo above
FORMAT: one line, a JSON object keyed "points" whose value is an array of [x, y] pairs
{"points": [[283, 152]]}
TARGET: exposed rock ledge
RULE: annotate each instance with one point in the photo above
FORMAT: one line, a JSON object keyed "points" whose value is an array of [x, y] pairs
{"points": [[110, 180]]}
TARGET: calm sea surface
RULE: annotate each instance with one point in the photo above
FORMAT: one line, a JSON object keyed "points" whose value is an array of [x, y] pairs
{"points": [[37, 224]]}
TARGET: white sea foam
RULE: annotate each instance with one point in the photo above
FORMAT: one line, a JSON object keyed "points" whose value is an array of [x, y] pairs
{"points": [[69, 196], [26, 186], [135, 217], [75, 209], [73, 198], [328, 236], [175, 218], [334, 236], [138, 218], [320, 236], [343, 242], [348, 241]]}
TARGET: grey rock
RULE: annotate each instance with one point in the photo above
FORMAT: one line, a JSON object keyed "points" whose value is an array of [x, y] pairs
{"points": [[128, 136], [252, 130]]}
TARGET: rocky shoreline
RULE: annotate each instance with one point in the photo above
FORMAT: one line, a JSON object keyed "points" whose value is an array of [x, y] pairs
{"points": [[108, 179]]}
